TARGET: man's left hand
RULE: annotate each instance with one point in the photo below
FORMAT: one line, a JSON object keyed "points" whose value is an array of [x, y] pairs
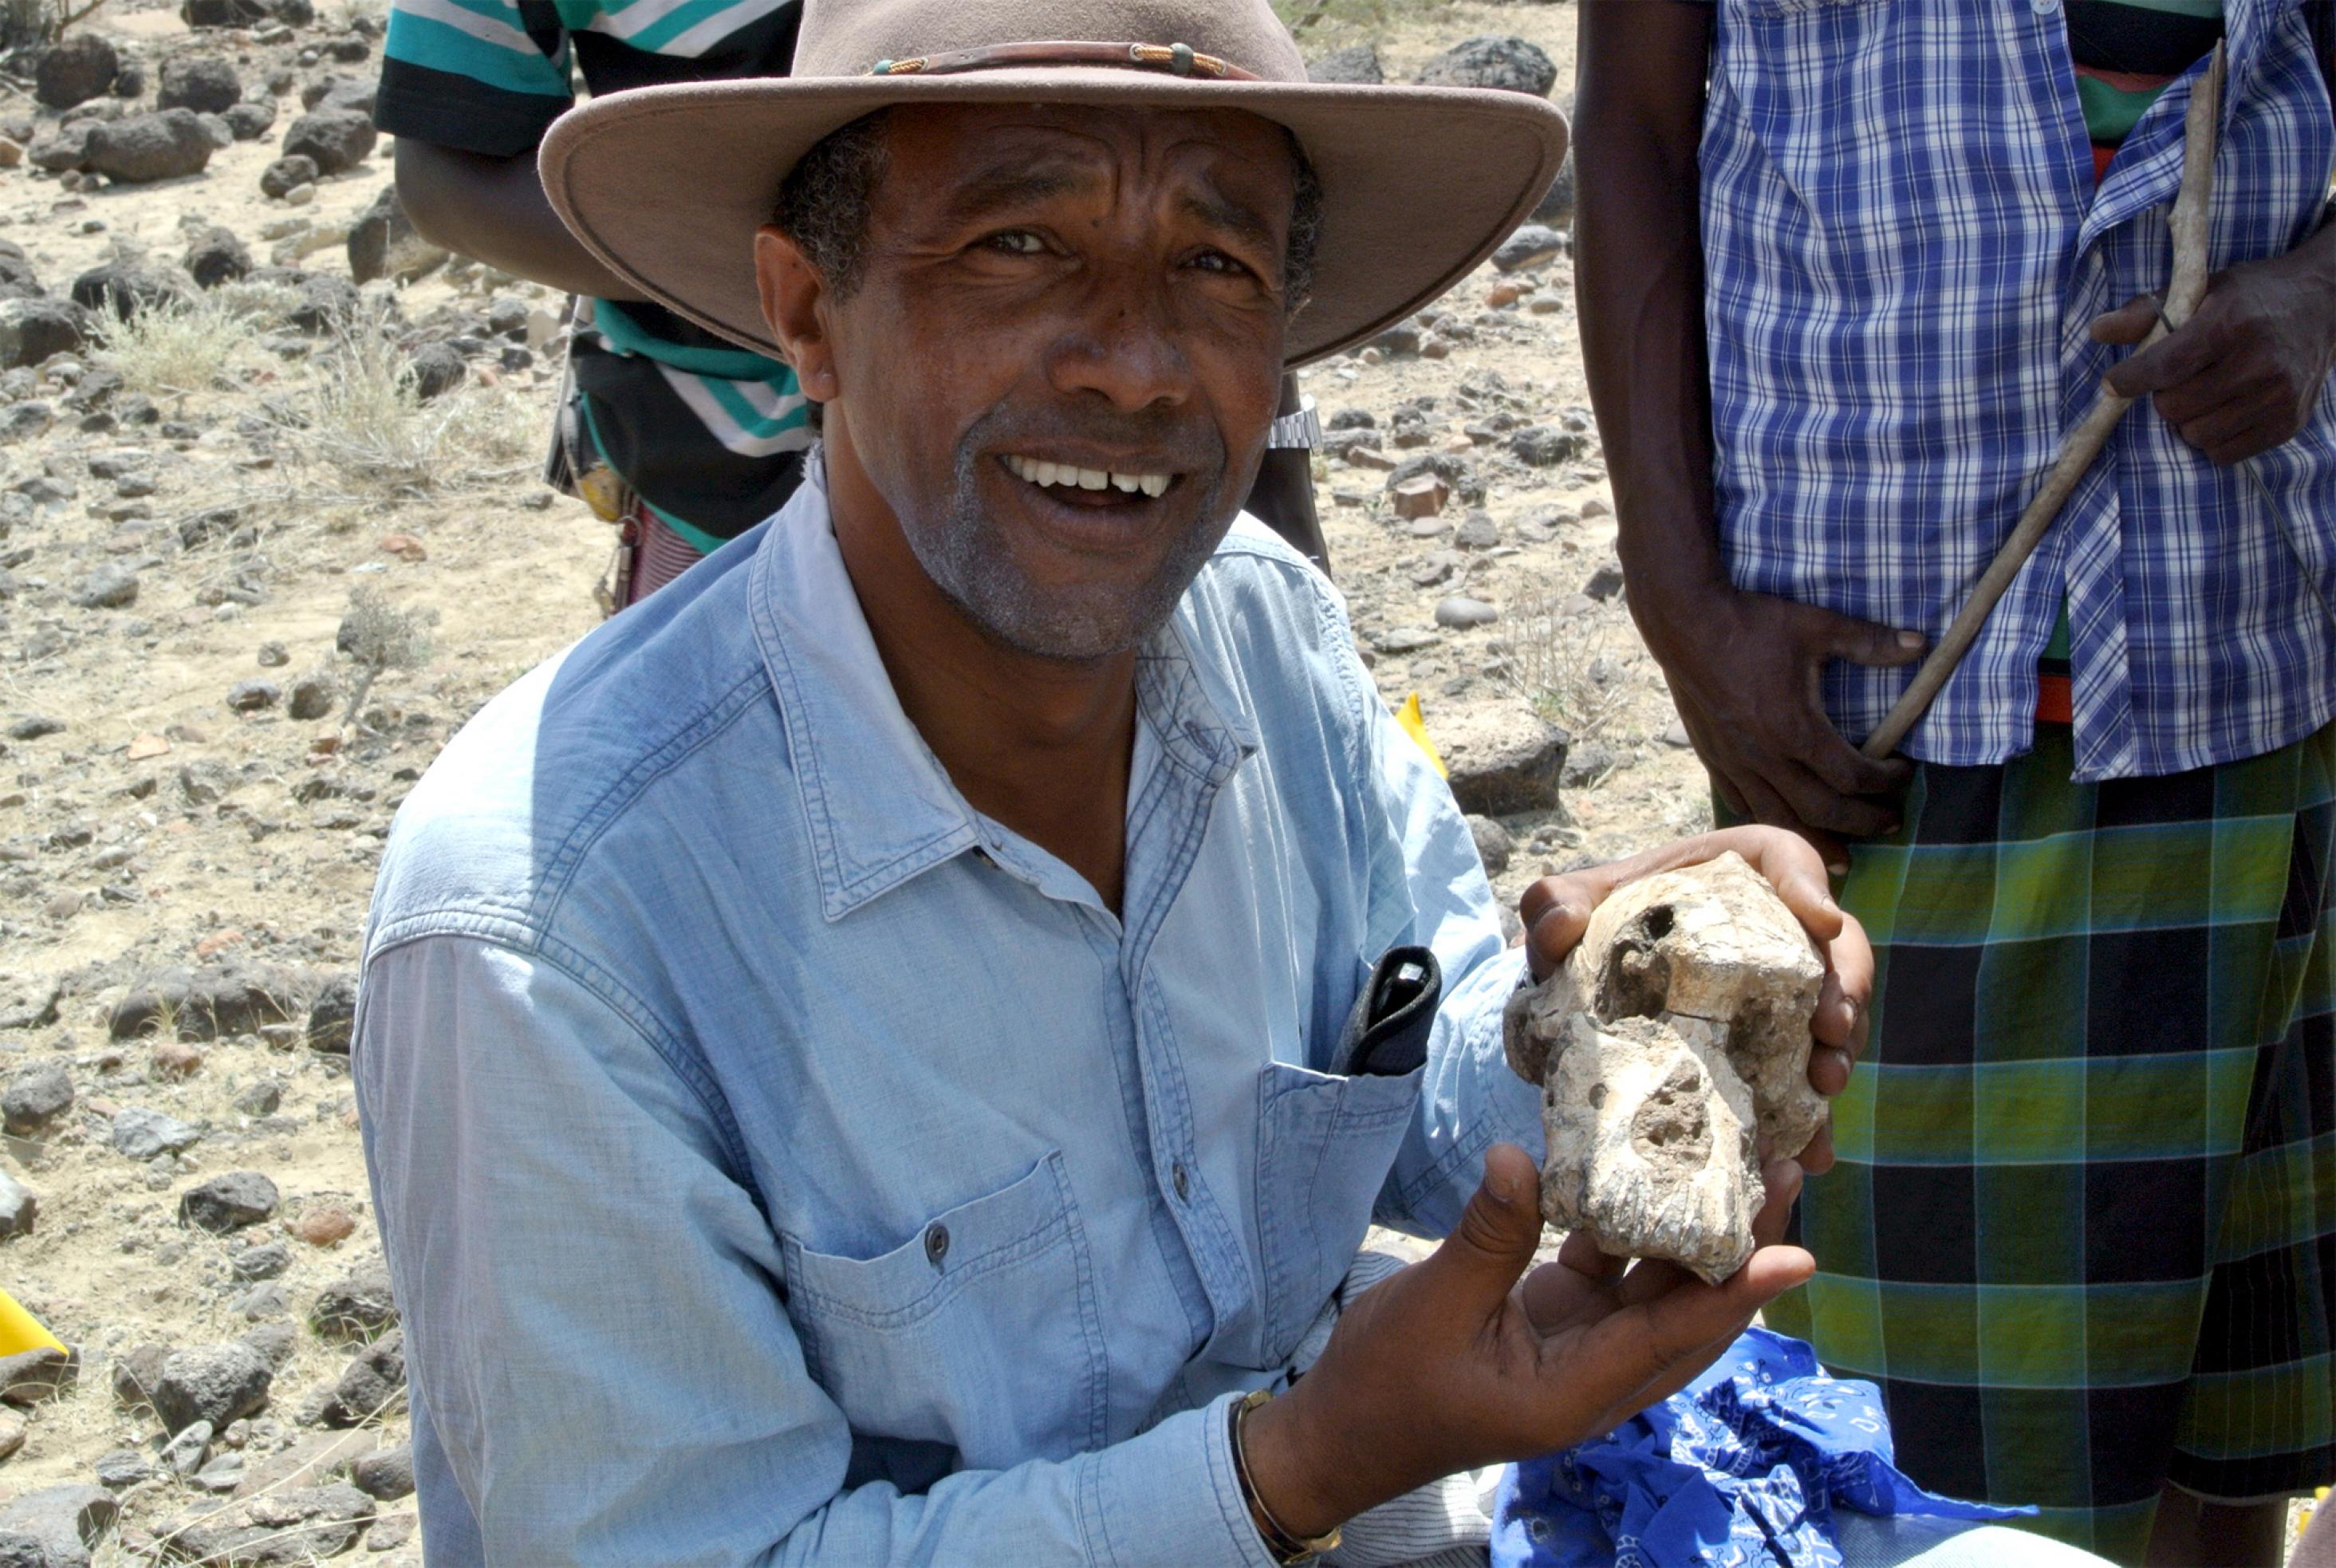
{"points": [[2245, 372], [1556, 911]]}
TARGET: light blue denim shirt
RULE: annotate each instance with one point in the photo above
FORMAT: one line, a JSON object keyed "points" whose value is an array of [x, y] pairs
{"points": [[780, 1162]]}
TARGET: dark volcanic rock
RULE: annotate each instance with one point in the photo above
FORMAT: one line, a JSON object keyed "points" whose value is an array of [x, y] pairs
{"points": [[254, 696], [1359, 64], [203, 84], [137, 1373], [165, 145], [327, 303], [1543, 445], [31, 330], [274, 1529], [313, 696], [214, 1383], [217, 257], [1531, 245], [250, 120], [18, 279], [109, 587], [66, 148], [228, 1203], [35, 1098], [287, 174], [334, 91], [222, 13], [81, 67], [388, 1475], [214, 1002], [373, 1384], [67, 1522], [337, 138], [435, 368], [1509, 64], [1517, 768], [329, 1019], [32, 1377], [356, 1307]]}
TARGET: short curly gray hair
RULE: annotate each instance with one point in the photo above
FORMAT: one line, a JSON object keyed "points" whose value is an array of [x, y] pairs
{"points": [[823, 207]]}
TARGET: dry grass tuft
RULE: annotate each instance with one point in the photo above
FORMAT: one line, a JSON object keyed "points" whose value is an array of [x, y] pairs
{"points": [[181, 347], [1579, 670], [362, 420]]}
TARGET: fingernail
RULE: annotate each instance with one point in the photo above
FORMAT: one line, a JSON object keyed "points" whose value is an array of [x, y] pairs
{"points": [[1838, 868], [1912, 639]]}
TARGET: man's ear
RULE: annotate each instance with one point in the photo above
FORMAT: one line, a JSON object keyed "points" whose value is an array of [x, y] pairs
{"points": [[795, 298]]}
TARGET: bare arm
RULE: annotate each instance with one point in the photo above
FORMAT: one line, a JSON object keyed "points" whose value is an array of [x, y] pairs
{"points": [[1743, 668], [494, 210], [1639, 273]]}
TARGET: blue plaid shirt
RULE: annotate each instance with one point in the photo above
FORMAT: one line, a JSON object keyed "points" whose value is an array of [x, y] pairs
{"points": [[1904, 247]]}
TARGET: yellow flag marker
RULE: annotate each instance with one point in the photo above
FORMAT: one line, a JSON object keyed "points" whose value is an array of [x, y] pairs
{"points": [[20, 1331], [1415, 726]]}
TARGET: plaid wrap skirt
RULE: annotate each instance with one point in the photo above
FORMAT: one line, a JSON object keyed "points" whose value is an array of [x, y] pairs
{"points": [[2083, 1229]]}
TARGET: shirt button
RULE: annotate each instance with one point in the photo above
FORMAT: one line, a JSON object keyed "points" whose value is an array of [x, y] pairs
{"points": [[936, 1244], [1183, 1183], [2044, 7]]}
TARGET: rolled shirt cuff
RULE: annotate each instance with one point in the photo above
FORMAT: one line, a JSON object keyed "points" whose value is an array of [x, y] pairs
{"points": [[1170, 1497]]}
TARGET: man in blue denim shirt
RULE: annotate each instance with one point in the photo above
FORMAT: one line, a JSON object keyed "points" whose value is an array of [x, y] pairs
{"points": [[851, 1052]]}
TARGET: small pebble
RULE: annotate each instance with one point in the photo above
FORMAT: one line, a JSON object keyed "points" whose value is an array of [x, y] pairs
{"points": [[1460, 612], [176, 1059], [323, 1227]]}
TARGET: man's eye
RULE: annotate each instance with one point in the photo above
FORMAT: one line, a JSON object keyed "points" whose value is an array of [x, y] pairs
{"points": [[1017, 242], [1218, 261]]}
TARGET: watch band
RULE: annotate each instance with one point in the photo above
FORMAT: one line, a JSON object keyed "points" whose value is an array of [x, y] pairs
{"points": [[1303, 428]]}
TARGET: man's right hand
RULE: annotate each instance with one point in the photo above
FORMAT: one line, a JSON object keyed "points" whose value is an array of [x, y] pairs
{"points": [[1744, 671], [1463, 1359]]}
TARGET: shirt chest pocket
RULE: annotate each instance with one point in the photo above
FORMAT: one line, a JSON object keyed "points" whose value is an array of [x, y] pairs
{"points": [[981, 1332], [1325, 1145]]}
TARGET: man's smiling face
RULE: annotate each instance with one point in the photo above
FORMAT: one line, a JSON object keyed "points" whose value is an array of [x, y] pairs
{"points": [[1058, 355]]}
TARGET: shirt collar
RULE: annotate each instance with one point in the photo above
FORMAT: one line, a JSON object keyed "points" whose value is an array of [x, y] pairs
{"points": [[878, 805]]}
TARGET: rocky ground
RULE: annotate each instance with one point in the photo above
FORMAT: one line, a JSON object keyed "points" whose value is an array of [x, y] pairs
{"points": [[271, 528]]}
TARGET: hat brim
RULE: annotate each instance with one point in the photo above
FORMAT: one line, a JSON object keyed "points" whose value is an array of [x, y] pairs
{"points": [[667, 185]]}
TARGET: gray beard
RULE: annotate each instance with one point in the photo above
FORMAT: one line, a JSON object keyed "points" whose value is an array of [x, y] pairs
{"points": [[966, 556]]}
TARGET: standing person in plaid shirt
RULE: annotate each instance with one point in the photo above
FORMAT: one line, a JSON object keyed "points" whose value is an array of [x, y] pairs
{"points": [[1849, 269]]}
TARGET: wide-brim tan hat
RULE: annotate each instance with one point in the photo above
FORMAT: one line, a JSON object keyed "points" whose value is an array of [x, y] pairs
{"points": [[667, 185]]}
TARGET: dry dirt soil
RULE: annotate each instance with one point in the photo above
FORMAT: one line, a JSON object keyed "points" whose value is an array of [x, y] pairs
{"points": [[187, 505]]}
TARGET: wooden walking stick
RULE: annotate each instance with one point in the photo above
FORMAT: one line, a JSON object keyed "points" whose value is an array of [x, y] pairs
{"points": [[2184, 289]]}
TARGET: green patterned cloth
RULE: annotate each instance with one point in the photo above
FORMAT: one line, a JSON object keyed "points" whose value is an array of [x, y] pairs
{"points": [[2084, 1222]]}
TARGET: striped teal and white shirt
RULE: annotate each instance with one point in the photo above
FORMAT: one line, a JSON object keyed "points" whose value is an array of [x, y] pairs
{"points": [[711, 436]]}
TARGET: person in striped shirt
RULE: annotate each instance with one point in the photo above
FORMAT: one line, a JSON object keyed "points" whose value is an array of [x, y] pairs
{"points": [[679, 436], [683, 438], [1848, 269]]}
